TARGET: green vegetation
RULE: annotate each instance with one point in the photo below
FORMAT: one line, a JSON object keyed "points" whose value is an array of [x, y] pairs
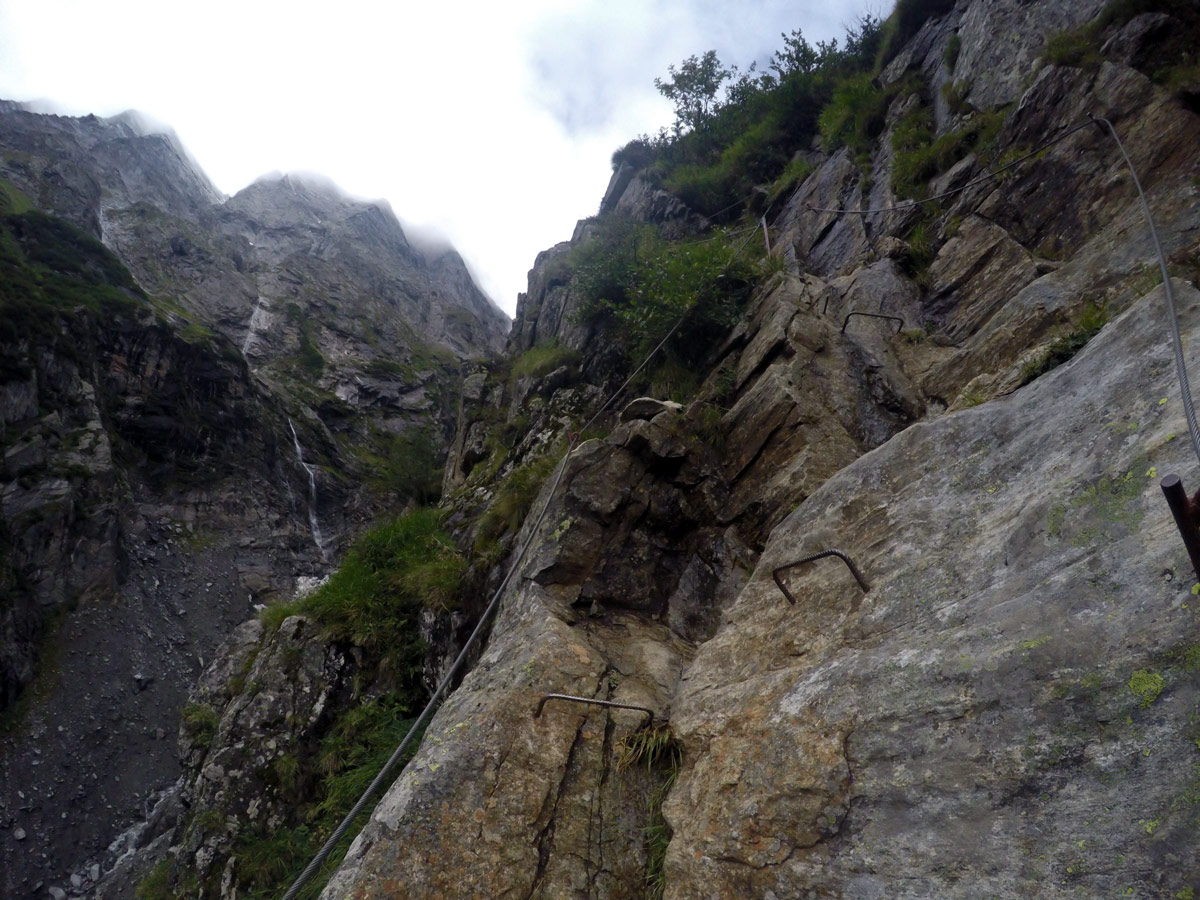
{"points": [[655, 749], [48, 269], [856, 115], [542, 359], [404, 466], [904, 22], [791, 177], [157, 884], [380, 367], [919, 156], [953, 47], [921, 251], [512, 503], [13, 200], [1146, 686], [317, 786], [195, 333], [1062, 349], [955, 93], [200, 722], [1173, 61], [734, 130], [642, 285], [308, 357], [349, 757], [373, 599]]}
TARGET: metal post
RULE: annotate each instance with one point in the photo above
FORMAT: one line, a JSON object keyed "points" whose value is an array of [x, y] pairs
{"points": [[1181, 509]]}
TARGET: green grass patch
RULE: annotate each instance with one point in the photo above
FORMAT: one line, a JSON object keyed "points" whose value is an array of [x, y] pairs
{"points": [[856, 114], [1072, 48], [405, 466], [955, 94], [642, 285], [953, 48], [13, 200], [918, 258], [656, 750], [388, 576], [157, 884], [542, 359], [381, 367], [1061, 349], [905, 21], [513, 501], [919, 156], [789, 179], [735, 131], [1172, 61], [49, 269], [349, 757], [195, 333], [200, 722]]}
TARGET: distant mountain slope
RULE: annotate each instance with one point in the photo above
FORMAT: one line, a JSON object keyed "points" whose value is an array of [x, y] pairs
{"points": [[202, 399]]}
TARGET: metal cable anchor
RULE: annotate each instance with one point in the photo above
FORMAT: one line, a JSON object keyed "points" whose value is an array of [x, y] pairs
{"points": [[899, 321], [862, 582], [547, 697], [1186, 518]]}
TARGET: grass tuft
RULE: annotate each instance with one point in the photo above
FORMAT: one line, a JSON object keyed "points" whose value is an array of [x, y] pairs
{"points": [[1094, 318]]}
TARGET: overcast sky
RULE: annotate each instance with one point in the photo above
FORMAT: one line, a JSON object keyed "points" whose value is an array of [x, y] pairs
{"points": [[491, 123]]}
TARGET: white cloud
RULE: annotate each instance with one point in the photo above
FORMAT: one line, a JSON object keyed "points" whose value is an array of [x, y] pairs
{"points": [[492, 123]]}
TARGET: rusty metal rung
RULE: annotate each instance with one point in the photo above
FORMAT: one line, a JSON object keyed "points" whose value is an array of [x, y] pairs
{"points": [[899, 321], [862, 582], [590, 701]]}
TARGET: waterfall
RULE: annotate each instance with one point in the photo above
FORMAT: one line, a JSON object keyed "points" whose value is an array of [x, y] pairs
{"points": [[318, 538], [260, 319]]}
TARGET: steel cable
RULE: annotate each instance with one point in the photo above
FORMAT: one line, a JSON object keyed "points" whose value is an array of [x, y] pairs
{"points": [[1173, 317], [339, 832], [427, 712]]}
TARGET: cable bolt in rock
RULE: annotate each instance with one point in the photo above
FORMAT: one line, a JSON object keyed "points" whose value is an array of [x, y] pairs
{"points": [[1186, 519], [899, 321], [572, 699], [858, 576]]}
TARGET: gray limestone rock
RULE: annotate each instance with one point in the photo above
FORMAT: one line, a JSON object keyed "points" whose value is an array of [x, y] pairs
{"points": [[647, 408]]}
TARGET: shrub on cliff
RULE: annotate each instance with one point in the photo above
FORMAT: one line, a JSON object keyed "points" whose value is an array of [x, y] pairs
{"points": [[735, 129], [374, 598], [643, 284]]}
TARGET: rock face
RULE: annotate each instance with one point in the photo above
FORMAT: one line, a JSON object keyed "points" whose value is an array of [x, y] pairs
{"points": [[151, 495], [1006, 712], [1005, 708]]}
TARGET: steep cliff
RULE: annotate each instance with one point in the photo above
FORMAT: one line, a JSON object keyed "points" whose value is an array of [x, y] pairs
{"points": [[971, 398], [196, 415], [1007, 711], [323, 293]]}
